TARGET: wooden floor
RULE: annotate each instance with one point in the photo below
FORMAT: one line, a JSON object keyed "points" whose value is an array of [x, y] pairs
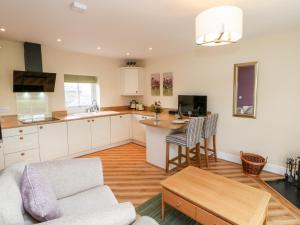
{"points": [[131, 178]]}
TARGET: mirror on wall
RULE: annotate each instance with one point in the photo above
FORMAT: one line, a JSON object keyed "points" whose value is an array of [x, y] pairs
{"points": [[245, 88]]}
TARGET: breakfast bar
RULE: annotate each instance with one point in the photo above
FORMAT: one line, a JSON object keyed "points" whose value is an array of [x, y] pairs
{"points": [[156, 132]]}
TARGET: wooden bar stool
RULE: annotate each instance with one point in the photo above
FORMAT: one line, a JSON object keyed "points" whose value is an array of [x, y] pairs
{"points": [[188, 139], [210, 131]]}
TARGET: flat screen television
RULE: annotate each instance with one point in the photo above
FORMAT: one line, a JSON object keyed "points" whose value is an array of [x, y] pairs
{"points": [[194, 105], [24, 81]]}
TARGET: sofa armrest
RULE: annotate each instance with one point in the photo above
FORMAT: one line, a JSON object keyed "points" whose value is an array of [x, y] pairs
{"points": [[69, 177], [121, 214]]}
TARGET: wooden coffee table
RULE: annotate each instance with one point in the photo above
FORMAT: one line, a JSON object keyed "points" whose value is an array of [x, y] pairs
{"points": [[211, 199]]}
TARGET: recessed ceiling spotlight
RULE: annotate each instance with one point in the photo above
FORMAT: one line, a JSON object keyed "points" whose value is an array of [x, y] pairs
{"points": [[0, 46], [128, 54], [2, 29], [58, 40], [98, 48], [150, 48]]}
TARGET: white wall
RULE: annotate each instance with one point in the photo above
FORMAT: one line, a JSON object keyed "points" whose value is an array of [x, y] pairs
{"points": [[60, 62], [209, 71]]}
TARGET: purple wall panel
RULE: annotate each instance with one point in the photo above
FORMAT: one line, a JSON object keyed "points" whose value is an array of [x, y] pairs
{"points": [[246, 81]]}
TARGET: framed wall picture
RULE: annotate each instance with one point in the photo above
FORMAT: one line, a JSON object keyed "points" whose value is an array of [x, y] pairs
{"points": [[155, 84], [168, 84]]}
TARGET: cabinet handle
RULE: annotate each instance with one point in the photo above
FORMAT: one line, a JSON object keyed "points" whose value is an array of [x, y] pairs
{"points": [[93, 120], [88, 121], [21, 131], [136, 91], [22, 154], [120, 116], [41, 127], [21, 138]]}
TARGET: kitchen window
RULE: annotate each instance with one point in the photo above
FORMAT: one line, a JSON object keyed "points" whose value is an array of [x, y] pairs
{"points": [[80, 92]]}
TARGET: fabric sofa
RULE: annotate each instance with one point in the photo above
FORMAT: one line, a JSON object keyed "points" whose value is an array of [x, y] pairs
{"points": [[80, 190]]}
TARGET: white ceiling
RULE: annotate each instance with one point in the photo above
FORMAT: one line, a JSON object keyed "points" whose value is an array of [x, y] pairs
{"points": [[121, 26]]}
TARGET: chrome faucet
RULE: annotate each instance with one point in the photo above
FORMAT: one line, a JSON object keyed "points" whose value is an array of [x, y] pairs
{"points": [[94, 107]]}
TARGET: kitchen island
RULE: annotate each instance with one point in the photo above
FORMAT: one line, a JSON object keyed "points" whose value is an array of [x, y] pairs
{"points": [[156, 132]]}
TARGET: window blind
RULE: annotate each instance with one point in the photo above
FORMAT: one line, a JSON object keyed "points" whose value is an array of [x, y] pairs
{"points": [[79, 79]]}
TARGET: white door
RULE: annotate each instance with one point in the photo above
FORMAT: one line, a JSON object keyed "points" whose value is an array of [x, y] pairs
{"points": [[131, 81], [120, 128], [53, 141], [100, 128], [79, 136], [138, 129]]}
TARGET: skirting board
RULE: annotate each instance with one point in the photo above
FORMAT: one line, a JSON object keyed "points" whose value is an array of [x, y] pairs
{"points": [[236, 159]]}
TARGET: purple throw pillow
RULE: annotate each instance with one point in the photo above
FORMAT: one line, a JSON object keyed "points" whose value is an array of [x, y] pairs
{"points": [[39, 199]]}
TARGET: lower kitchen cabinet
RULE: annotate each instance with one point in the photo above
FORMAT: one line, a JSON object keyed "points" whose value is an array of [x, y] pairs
{"points": [[29, 156], [120, 128], [62, 139], [53, 140], [79, 135], [100, 130], [20, 142], [138, 129]]}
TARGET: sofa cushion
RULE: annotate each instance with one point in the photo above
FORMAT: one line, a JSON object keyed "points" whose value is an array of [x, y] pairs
{"points": [[69, 177], [120, 214], [95, 199], [11, 207], [38, 197]]}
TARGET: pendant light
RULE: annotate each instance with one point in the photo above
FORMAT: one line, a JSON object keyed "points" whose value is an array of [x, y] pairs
{"points": [[219, 26]]}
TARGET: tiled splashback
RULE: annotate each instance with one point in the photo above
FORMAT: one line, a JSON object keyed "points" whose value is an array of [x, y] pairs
{"points": [[32, 104]]}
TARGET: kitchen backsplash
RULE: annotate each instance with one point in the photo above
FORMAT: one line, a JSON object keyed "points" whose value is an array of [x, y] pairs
{"points": [[32, 104]]}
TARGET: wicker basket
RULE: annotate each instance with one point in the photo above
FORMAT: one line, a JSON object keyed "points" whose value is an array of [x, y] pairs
{"points": [[252, 163]]}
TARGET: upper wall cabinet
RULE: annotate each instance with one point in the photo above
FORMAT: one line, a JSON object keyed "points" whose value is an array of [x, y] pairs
{"points": [[132, 81]]}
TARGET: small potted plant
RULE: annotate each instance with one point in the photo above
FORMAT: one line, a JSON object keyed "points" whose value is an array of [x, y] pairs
{"points": [[156, 108]]}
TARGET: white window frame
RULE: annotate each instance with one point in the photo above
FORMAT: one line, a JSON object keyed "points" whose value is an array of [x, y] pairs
{"points": [[83, 108]]}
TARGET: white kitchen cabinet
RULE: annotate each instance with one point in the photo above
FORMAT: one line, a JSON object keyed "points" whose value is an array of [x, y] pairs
{"points": [[19, 131], [132, 81], [100, 129], [138, 129], [120, 128], [20, 139], [29, 156], [79, 135], [53, 141], [1, 157], [20, 143]]}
